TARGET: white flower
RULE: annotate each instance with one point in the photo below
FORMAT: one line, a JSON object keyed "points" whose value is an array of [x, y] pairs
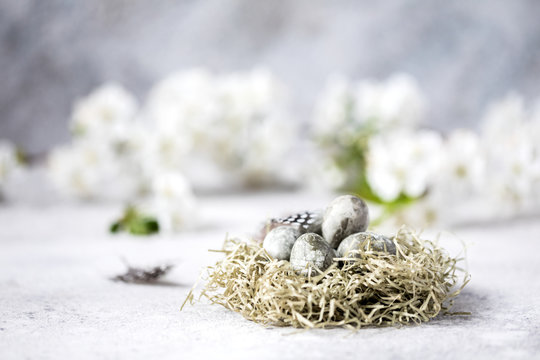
{"points": [[324, 175], [511, 146], [266, 152], [92, 169], [424, 213], [173, 202], [163, 152], [183, 104], [235, 121], [394, 104], [244, 96], [402, 163], [72, 170], [333, 110], [8, 161], [462, 172], [514, 173], [503, 118], [347, 114], [103, 161], [106, 113], [252, 134]]}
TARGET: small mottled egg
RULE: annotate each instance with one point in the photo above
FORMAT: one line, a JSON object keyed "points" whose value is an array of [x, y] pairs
{"points": [[361, 240], [344, 216], [279, 241], [311, 252]]}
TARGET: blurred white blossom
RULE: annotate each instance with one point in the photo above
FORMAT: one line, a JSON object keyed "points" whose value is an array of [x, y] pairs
{"points": [[511, 145], [234, 129], [182, 105], [403, 163], [162, 152], [496, 172], [172, 202], [103, 160], [91, 169], [333, 111], [325, 175], [265, 153], [237, 122], [73, 170], [423, 213], [462, 170], [394, 104], [106, 113], [503, 118], [365, 131]]}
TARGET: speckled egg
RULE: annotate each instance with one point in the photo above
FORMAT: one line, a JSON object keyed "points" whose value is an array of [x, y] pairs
{"points": [[361, 240], [311, 252], [279, 241], [344, 216]]}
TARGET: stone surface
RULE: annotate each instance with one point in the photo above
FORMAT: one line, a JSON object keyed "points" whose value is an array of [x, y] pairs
{"points": [[344, 216], [57, 302], [311, 253], [359, 241], [279, 241]]}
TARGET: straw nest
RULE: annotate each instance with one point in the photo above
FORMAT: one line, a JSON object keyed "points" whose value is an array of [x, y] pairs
{"points": [[373, 289]]}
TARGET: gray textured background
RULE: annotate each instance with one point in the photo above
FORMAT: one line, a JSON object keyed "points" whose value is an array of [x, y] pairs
{"points": [[464, 53]]}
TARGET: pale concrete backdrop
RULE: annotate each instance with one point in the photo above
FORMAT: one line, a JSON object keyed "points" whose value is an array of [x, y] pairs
{"points": [[464, 54], [57, 302]]}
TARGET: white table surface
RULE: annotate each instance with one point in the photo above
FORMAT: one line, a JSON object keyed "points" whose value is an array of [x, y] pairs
{"points": [[56, 300]]}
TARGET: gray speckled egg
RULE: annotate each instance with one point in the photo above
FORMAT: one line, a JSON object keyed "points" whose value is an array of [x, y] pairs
{"points": [[311, 252], [279, 242], [359, 241], [344, 216]]}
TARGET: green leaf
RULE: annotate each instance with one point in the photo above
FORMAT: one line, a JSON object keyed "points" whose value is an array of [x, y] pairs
{"points": [[135, 223], [143, 226], [116, 227]]}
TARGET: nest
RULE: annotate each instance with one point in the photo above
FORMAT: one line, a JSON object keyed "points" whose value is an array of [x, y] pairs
{"points": [[372, 289]]}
